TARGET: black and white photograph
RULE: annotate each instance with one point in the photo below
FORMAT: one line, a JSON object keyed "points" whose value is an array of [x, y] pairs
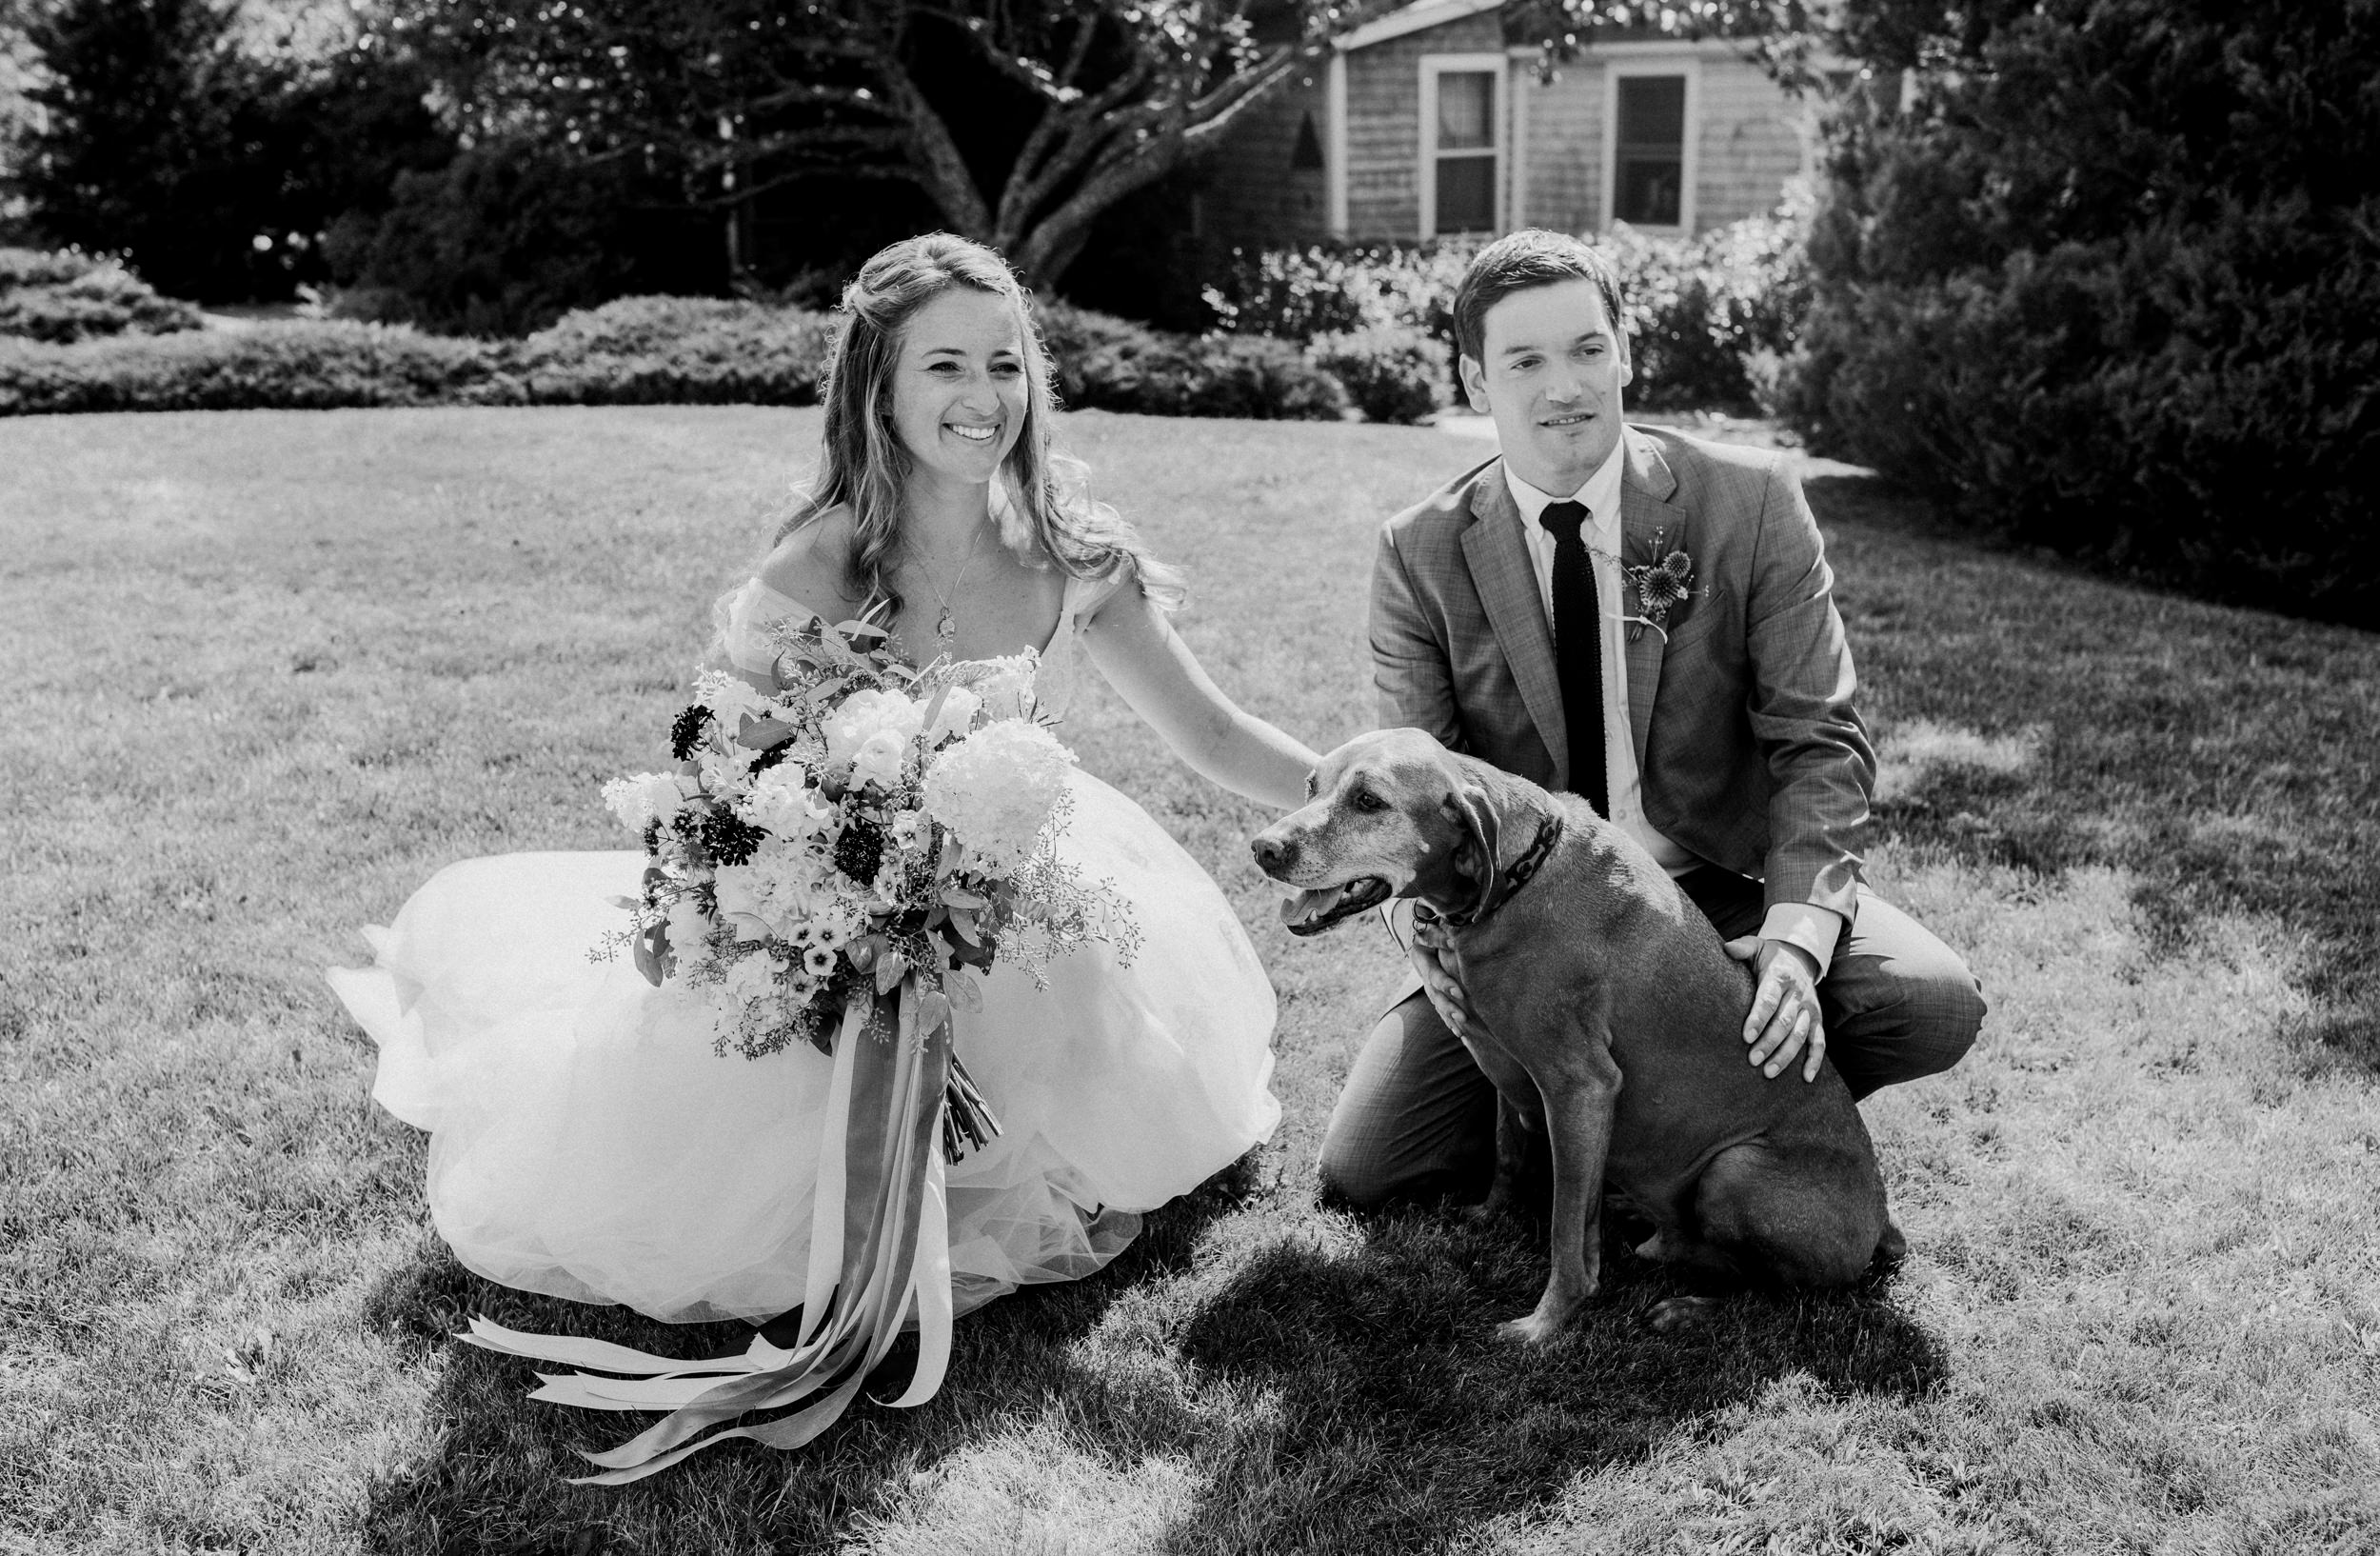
{"points": [[950, 777]]}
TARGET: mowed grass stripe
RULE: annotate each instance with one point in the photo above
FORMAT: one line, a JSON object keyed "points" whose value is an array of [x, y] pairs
{"points": [[267, 671]]}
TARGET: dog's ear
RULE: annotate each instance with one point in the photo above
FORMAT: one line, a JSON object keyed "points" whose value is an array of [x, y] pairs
{"points": [[1469, 805]]}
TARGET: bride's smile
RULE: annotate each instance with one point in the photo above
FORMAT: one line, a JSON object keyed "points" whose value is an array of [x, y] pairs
{"points": [[959, 396]]}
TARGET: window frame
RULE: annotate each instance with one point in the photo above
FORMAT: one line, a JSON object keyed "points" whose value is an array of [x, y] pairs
{"points": [[1498, 68], [1682, 64]]}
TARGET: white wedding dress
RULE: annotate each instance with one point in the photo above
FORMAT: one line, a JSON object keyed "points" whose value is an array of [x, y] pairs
{"points": [[586, 1142]]}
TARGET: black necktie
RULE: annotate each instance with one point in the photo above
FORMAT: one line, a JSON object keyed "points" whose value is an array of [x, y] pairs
{"points": [[1578, 651]]}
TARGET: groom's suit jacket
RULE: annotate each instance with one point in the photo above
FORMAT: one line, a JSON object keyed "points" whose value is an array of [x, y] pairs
{"points": [[1750, 753]]}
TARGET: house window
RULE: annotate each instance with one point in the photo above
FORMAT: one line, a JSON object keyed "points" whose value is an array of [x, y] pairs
{"points": [[1649, 152], [1462, 143]]}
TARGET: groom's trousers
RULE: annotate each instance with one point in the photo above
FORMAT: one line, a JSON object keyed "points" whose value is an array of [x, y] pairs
{"points": [[1418, 1118]]}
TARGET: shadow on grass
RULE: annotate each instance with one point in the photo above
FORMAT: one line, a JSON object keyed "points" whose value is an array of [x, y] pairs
{"points": [[2222, 756], [1401, 1421], [494, 1477]]}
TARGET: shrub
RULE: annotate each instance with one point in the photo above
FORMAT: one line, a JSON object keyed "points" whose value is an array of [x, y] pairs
{"points": [[307, 364], [64, 295], [1707, 316], [694, 351], [1110, 364], [2111, 288], [1393, 373]]}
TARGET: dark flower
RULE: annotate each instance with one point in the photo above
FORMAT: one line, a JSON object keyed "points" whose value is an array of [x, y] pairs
{"points": [[686, 729], [860, 849], [730, 838]]}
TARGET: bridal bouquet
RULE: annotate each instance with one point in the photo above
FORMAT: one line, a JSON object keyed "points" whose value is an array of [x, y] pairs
{"points": [[866, 833]]}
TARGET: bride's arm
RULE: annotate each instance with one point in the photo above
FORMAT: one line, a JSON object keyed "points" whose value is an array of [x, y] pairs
{"points": [[1144, 659]]}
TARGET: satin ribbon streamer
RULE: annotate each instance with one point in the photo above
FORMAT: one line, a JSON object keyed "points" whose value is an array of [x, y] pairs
{"points": [[879, 1248]]}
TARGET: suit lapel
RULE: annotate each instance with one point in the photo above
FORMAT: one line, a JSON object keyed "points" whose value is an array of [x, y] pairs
{"points": [[1646, 515], [1507, 586]]}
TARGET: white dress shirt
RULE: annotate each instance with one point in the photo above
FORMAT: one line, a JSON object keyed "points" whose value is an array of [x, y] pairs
{"points": [[1805, 924]]}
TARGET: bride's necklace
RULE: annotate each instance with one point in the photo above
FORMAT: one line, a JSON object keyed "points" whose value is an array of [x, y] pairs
{"points": [[945, 626]]}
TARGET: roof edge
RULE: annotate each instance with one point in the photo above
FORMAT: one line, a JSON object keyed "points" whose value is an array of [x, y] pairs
{"points": [[1416, 17]]}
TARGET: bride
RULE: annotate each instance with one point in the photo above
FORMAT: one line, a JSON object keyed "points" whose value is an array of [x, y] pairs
{"points": [[585, 1140]]}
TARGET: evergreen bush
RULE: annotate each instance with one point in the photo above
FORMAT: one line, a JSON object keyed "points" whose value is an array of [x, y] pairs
{"points": [[64, 295], [1393, 373], [2112, 287]]}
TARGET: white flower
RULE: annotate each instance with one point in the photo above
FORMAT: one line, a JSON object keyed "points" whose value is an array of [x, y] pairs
{"points": [[880, 758], [1005, 685], [748, 978], [730, 698], [996, 788], [957, 714], [643, 798], [819, 961], [744, 901], [688, 925], [865, 713], [784, 808]]}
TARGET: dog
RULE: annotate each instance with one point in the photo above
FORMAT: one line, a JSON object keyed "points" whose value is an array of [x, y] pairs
{"points": [[1607, 1015]]}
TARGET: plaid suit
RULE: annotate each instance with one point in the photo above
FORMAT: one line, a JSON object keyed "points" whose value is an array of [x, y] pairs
{"points": [[1751, 754]]}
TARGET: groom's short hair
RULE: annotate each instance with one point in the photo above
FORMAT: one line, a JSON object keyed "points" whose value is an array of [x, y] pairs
{"points": [[1519, 261]]}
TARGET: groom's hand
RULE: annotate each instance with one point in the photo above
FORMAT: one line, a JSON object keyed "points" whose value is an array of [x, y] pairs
{"points": [[1784, 1018], [1446, 996]]}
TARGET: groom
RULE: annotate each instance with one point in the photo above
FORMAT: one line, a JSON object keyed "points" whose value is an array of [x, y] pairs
{"points": [[1718, 731]]}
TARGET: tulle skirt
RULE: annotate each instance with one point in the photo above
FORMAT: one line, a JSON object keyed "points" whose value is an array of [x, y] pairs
{"points": [[587, 1142]]}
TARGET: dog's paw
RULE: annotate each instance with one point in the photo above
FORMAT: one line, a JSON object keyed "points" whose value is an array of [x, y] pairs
{"points": [[1682, 1313], [1536, 1329]]}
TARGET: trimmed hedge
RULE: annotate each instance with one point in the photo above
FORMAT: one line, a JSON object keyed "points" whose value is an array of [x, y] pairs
{"points": [[677, 351], [1110, 364], [1394, 372], [300, 365], [2112, 288], [65, 296], [637, 350]]}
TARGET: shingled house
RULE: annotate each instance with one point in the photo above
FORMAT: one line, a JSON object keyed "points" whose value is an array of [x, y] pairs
{"points": [[1430, 121]]}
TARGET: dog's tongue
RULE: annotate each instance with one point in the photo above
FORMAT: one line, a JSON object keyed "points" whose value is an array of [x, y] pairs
{"points": [[1309, 905]]}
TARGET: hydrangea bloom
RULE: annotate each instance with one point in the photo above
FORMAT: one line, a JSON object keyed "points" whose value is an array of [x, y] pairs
{"points": [[995, 790], [864, 714], [641, 799]]}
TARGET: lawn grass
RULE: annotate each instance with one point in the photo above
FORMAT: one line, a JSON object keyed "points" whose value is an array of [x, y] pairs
{"points": [[266, 671]]}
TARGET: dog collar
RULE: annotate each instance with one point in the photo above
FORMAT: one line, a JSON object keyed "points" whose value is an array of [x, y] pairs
{"points": [[1501, 886]]}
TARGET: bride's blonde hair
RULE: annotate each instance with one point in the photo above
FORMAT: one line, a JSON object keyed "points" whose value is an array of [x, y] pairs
{"points": [[864, 467]]}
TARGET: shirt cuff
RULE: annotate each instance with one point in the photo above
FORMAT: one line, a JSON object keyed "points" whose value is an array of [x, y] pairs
{"points": [[1807, 926]]}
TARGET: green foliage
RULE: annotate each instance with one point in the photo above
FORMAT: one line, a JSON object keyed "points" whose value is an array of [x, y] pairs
{"points": [[659, 350], [2113, 288], [1110, 364], [637, 350], [1393, 373], [1704, 313], [507, 237], [216, 170], [311, 365], [61, 295]]}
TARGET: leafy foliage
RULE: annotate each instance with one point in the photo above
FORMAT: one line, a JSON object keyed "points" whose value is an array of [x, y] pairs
{"points": [[2113, 287], [1021, 121], [507, 237], [652, 350], [637, 350], [1704, 313], [1393, 373], [216, 170], [64, 295], [1110, 364]]}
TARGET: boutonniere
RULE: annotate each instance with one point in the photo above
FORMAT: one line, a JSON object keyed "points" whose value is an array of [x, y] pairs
{"points": [[1662, 585]]}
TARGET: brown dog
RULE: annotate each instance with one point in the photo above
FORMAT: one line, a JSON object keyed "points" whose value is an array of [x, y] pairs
{"points": [[1605, 1012]]}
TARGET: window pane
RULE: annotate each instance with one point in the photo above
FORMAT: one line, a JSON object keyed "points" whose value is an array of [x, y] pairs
{"points": [[1466, 194], [1649, 190], [1466, 107], [1652, 111]]}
